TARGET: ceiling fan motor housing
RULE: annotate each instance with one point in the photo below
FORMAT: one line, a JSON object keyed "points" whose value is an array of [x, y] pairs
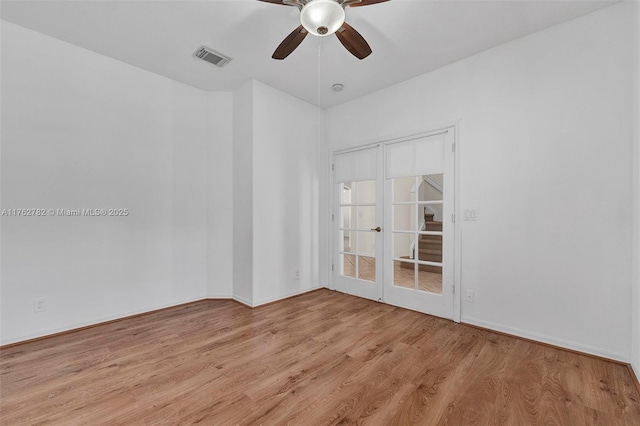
{"points": [[322, 17]]}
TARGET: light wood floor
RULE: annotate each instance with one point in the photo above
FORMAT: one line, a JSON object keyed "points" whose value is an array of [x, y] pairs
{"points": [[322, 358]]}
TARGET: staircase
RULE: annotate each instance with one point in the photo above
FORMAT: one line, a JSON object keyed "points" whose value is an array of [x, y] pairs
{"points": [[429, 247]]}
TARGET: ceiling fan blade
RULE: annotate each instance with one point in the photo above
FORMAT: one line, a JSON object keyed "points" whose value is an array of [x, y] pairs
{"points": [[274, 2], [290, 43], [365, 3], [353, 41]]}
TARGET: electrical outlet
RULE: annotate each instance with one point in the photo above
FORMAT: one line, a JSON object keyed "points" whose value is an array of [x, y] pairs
{"points": [[297, 274], [469, 296], [39, 305]]}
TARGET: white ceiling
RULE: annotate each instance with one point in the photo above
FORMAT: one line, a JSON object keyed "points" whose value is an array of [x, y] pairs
{"points": [[408, 38]]}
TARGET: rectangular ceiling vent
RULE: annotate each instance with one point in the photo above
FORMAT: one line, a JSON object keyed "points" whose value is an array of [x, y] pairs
{"points": [[210, 55]]}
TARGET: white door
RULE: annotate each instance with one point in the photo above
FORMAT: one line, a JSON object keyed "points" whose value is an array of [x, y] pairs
{"points": [[357, 223], [419, 237]]}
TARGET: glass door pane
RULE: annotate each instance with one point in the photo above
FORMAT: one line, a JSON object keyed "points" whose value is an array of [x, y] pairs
{"points": [[417, 235], [357, 220]]}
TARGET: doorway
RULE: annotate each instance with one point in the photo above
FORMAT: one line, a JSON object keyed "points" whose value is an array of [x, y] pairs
{"points": [[394, 228]]}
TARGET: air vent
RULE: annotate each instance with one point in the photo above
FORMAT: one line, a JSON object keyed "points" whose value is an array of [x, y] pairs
{"points": [[209, 55]]}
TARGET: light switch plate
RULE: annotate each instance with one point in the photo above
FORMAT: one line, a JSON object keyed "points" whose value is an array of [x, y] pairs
{"points": [[470, 215]]}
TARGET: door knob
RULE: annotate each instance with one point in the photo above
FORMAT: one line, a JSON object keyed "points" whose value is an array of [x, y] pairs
{"points": [[378, 229]]}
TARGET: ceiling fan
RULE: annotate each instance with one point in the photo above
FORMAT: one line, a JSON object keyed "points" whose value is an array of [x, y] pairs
{"points": [[322, 18]]}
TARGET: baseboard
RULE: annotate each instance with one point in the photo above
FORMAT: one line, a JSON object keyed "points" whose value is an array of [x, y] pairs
{"points": [[219, 296], [242, 300], [108, 320], [286, 296], [90, 324], [538, 338]]}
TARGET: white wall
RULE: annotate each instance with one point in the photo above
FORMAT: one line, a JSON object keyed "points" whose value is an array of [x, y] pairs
{"points": [[243, 193], [635, 300], [276, 195], [545, 145], [1, 133], [80, 130], [286, 195], [220, 195]]}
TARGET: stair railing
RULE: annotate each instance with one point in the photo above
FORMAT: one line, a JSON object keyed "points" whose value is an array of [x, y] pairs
{"points": [[412, 247], [423, 226], [431, 181]]}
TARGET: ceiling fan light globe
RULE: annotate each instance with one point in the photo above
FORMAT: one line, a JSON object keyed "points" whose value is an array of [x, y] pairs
{"points": [[322, 17]]}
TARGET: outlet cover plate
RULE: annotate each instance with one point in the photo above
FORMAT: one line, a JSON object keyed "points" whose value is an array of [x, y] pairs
{"points": [[39, 305], [468, 297]]}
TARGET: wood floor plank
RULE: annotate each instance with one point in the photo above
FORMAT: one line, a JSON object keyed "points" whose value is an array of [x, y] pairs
{"points": [[320, 358], [446, 361]]}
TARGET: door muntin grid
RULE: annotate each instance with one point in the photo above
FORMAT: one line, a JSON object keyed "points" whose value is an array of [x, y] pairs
{"points": [[357, 239], [417, 209]]}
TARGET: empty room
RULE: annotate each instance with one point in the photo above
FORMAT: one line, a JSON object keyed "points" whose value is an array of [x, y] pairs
{"points": [[310, 212]]}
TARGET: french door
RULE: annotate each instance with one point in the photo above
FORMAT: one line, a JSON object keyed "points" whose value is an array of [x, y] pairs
{"points": [[358, 223], [393, 223], [419, 206]]}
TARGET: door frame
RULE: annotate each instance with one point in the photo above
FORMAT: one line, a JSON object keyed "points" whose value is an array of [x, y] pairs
{"points": [[457, 208]]}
